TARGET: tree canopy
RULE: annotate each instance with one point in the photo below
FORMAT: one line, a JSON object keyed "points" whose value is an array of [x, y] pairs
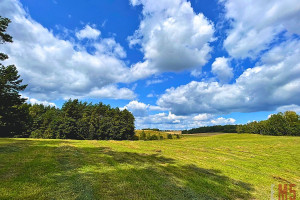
{"points": [[287, 123], [211, 129], [80, 120]]}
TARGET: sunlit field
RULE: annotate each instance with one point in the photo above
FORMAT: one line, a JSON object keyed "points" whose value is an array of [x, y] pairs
{"points": [[224, 166]]}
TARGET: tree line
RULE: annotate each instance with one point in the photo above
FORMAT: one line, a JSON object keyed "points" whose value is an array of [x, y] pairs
{"points": [[287, 123], [78, 120], [75, 120], [212, 129]]}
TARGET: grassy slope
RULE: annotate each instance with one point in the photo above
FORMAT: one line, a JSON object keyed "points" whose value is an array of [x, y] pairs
{"points": [[226, 166]]}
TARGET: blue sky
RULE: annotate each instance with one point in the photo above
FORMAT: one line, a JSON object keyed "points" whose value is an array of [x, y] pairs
{"points": [[176, 64]]}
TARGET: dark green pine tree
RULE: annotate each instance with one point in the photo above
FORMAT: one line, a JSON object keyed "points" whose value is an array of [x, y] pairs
{"points": [[10, 86]]}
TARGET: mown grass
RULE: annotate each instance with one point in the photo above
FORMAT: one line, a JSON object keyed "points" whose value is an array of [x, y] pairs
{"points": [[226, 166]]}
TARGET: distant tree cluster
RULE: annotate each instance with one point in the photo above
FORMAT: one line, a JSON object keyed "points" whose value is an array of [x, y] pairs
{"points": [[212, 129], [287, 123], [75, 120]]}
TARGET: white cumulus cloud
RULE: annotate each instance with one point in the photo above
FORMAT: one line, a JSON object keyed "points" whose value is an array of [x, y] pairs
{"points": [[172, 36], [292, 107], [274, 82], [255, 24], [137, 108], [171, 121], [35, 101], [55, 68], [88, 32], [223, 121], [141, 109], [202, 117], [222, 70]]}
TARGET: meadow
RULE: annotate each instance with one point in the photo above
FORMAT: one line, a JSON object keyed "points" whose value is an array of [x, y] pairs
{"points": [[222, 166]]}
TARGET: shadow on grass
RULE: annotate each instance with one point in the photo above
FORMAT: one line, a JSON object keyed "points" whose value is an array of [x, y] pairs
{"points": [[69, 172]]}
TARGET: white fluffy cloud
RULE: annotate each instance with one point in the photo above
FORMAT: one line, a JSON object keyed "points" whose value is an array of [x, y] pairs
{"points": [[292, 107], [222, 120], [255, 24], [140, 109], [35, 101], [172, 36], [112, 92], [222, 70], [56, 68], [274, 82], [88, 32], [171, 121], [137, 108], [202, 117]]}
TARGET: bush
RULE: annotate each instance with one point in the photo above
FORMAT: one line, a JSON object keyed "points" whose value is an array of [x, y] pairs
{"points": [[170, 136], [153, 137], [135, 137], [143, 136]]}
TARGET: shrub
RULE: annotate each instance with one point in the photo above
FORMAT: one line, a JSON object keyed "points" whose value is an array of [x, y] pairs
{"points": [[135, 137], [143, 136], [153, 137]]}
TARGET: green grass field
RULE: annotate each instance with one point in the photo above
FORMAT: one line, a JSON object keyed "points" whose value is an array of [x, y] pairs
{"points": [[225, 166]]}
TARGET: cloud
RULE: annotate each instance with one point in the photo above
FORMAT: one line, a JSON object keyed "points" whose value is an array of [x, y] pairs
{"points": [[141, 70], [88, 33], [110, 47], [256, 24], [168, 120], [172, 36], [196, 73], [140, 109], [222, 70], [292, 107], [112, 92], [55, 68], [202, 117], [35, 101], [137, 108], [274, 82], [150, 95], [161, 121], [155, 81], [223, 121], [171, 121]]}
